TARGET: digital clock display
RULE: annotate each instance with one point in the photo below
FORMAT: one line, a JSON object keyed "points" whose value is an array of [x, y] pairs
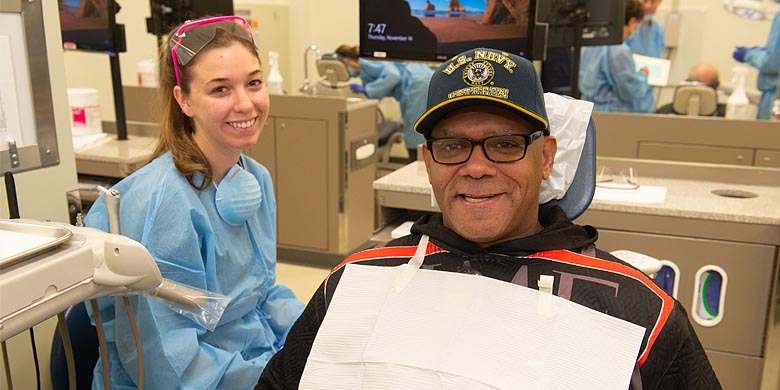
{"points": [[435, 30]]}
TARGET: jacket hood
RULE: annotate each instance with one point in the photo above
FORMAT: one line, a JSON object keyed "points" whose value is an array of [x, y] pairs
{"points": [[557, 233]]}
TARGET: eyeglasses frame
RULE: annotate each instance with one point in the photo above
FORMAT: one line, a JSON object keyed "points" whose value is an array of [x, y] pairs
{"points": [[529, 139]]}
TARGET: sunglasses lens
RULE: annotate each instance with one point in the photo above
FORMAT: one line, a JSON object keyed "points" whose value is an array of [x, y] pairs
{"points": [[191, 39]]}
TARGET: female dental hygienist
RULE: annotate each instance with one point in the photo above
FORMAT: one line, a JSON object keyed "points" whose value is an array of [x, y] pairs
{"points": [[207, 214], [767, 60], [407, 82]]}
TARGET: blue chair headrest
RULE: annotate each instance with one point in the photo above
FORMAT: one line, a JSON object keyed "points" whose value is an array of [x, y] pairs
{"points": [[583, 186]]}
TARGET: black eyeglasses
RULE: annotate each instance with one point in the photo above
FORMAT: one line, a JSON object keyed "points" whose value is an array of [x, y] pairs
{"points": [[498, 148]]}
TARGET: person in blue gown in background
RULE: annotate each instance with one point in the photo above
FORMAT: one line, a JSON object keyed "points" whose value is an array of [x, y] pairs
{"points": [[607, 73], [767, 60], [407, 82], [207, 214], [648, 40]]}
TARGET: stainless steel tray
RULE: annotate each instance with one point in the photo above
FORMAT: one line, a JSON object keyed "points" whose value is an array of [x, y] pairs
{"points": [[56, 234]]}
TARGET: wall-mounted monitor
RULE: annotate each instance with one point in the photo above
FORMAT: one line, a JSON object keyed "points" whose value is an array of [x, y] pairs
{"points": [[91, 25], [436, 30], [602, 21], [167, 14]]}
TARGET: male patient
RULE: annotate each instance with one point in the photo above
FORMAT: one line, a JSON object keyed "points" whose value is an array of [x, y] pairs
{"points": [[704, 74], [488, 149]]}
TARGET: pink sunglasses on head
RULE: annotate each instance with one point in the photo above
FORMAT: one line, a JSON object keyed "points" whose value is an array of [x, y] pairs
{"points": [[191, 37]]}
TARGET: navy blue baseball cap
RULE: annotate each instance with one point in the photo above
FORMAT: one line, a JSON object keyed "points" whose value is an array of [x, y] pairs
{"points": [[484, 76]]}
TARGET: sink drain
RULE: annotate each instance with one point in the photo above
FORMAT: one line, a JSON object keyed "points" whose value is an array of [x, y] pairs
{"points": [[730, 193]]}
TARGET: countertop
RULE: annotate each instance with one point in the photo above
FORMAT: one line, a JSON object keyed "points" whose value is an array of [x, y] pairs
{"points": [[685, 197]]}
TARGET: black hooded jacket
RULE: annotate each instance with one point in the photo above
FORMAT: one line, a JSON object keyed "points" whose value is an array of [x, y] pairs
{"points": [[671, 356]]}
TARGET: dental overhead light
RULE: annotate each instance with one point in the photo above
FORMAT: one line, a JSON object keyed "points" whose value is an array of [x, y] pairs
{"points": [[749, 9]]}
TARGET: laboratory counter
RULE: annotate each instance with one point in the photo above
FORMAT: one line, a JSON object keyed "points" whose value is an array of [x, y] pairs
{"points": [[685, 197]]}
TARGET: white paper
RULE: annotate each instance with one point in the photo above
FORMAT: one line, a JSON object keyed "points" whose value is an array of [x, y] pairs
{"points": [[403, 229], [643, 194], [10, 125], [83, 140], [457, 331], [658, 69]]}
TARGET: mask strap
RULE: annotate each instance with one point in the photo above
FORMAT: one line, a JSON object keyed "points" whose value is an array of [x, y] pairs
{"points": [[219, 194]]}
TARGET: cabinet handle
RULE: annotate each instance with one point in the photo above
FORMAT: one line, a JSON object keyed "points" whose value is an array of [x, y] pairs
{"points": [[740, 157], [767, 159]]}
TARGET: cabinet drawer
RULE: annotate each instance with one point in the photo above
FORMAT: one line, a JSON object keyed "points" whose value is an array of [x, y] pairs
{"points": [[736, 371], [768, 158], [695, 153]]}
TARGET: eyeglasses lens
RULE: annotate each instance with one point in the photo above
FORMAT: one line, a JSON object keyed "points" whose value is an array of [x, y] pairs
{"points": [[502, 148]]}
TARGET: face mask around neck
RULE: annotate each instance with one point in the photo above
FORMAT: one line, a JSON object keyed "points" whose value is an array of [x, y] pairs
{"points": [[238, 196]]}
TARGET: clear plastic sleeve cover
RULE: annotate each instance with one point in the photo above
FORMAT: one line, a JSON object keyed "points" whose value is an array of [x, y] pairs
{"points": [[201, 306]]}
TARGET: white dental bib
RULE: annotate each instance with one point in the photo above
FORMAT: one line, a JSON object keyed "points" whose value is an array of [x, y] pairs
{"points": [[409, 328]]}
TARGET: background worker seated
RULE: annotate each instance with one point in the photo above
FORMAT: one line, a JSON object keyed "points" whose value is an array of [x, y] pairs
{"points": [[700, 74]]}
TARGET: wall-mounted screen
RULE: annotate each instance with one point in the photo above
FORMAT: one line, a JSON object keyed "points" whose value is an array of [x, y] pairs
{"points": [[91, 25], [167, 14], [602, 21], [435, 30]]}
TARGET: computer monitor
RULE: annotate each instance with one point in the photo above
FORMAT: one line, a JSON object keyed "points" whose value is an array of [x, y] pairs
{"points": [[91, 25], [436, 30], [167, 14], [601, 21]]}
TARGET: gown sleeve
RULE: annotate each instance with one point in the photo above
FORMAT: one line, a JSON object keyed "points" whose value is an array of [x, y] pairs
{"points": [[767, 59], [629, 83], [379, 78]]}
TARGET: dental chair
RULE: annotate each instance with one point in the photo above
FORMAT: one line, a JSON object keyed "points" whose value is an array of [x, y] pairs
{"points": [[580, 193], [695, 100]]}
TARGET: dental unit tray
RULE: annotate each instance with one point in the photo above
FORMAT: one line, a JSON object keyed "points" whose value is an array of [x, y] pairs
{"points": [[22, 240], [46, 267]]}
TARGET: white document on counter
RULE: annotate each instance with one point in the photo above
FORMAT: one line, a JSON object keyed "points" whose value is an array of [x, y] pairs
{"points": [[448, 330], [643, 194], [83, 139]]}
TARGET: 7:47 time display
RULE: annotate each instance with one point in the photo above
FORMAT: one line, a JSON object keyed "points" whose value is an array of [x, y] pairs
{"points": [[376, 28]]}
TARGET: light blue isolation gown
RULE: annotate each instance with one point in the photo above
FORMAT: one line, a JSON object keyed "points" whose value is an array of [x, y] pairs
{"points": [[191, 245], [767, 60], [647, 41], [407, 82], [608, 78]]}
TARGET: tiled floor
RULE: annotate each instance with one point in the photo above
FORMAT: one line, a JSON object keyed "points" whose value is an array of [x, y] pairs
{"points": [[302, 280]]}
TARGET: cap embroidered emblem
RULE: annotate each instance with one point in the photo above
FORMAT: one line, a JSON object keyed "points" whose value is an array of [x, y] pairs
{"points": [[478, 73]]}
